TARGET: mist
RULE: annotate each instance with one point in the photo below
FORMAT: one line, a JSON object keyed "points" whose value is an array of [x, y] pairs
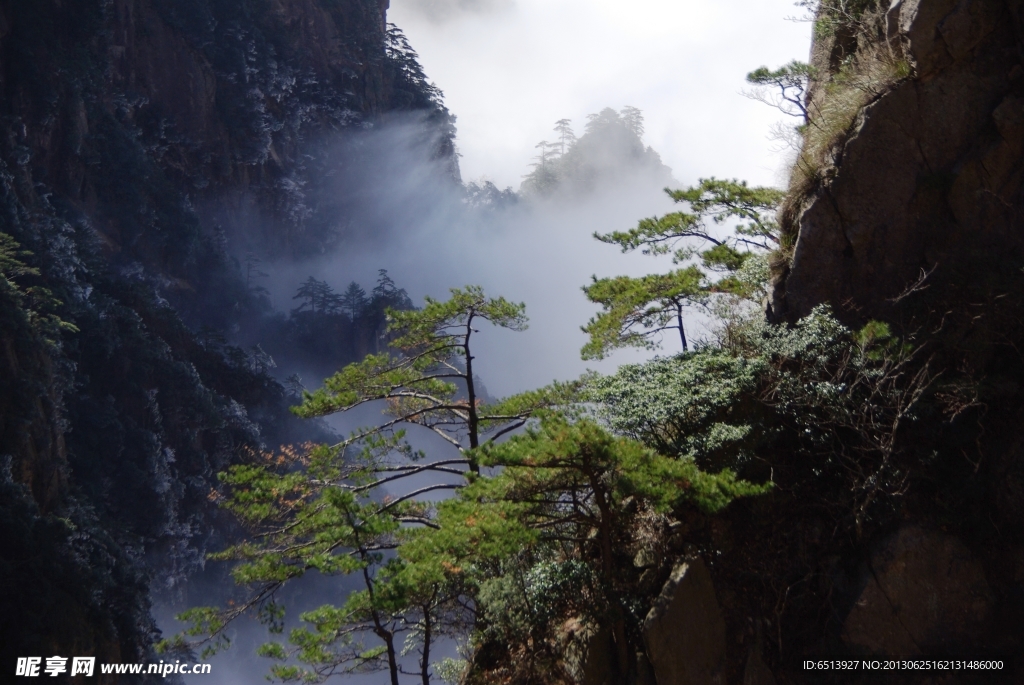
{"points": [[510, 74], [418, 226]]}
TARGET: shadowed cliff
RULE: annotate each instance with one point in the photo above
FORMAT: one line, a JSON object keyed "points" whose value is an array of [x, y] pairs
{"points": [[129, 130]]}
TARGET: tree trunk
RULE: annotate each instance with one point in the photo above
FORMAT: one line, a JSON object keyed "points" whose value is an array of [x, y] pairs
{"points": [[682, 331], [474, 420], [618, 618], [425, 662], [382, 632]]}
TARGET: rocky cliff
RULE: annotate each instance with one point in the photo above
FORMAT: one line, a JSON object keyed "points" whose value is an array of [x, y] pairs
{"points": [[906, 206], [130, 131], [925, 178]]}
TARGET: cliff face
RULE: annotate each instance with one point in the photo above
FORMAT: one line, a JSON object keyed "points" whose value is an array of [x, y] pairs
{"points": [[129, 130], [927, 180], [910, 212], [142, 105]]}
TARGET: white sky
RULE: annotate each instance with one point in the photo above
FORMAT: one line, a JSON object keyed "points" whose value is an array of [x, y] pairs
{"points": [[510, 68]]}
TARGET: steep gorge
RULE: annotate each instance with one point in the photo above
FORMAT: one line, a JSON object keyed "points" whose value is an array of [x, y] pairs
{"points": [[146, 140]]}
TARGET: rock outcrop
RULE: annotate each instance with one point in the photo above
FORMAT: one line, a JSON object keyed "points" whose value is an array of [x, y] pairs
{"points": [[684, 632], [930, 175], [924, 592]]}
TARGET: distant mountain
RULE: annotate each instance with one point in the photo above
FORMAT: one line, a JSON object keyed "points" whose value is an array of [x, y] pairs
{"points": [[611, 151]]}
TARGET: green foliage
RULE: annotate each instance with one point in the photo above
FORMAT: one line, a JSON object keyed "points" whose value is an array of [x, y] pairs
{"points": [[637, 309], [547, 536], [558, 481], [580, 457], [304, 521], [36, 301], [829, 16], [320, 511], [10, 266], [724, 258], [528, 505], [784, 88], [690, 406], [712, 199], [846, 396], [422, 380], [450, 670], [518, 605]]}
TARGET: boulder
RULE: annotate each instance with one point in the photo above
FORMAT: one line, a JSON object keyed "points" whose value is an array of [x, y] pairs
{"points": [[923, 591], [684, 632]]}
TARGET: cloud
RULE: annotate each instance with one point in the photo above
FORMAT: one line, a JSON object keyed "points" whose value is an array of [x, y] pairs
{"points": [[414, 223], [510, 75]]}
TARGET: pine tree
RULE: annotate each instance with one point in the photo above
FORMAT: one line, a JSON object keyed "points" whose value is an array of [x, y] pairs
{"points": [[326, 511], [636, 310], [253, 272], [353, 300], [633, 118], [712, 200], [566, 137], [387, 294], [784, 88], [563, 486], [318, 297], [606, 118]]}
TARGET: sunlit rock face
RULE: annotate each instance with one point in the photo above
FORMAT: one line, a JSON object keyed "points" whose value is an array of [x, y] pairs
{"points": [[930, 176], [684, 632]]}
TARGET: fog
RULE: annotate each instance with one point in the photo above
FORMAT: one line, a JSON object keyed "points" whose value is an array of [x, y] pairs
{"points": [[440, 11], [510, 69], [417, 226]]}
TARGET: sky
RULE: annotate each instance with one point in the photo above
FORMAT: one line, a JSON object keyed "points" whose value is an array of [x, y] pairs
{"points": [[510, 68]]}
